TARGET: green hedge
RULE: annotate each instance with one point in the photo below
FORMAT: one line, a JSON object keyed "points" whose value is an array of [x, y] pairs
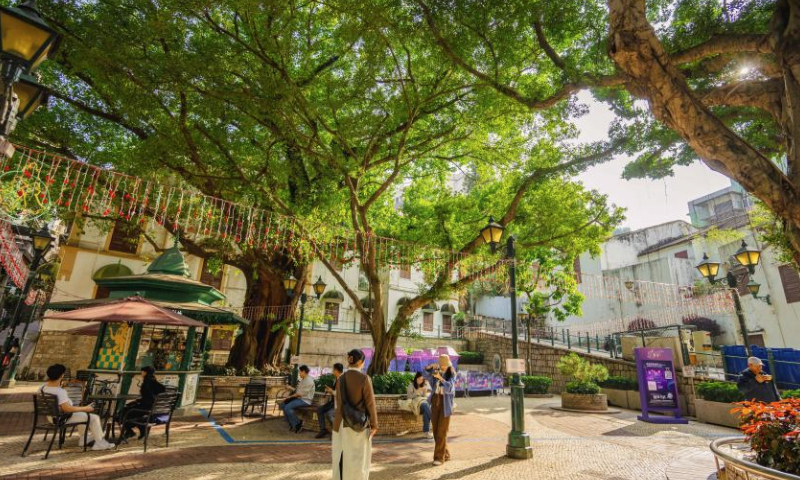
{"points": [[585, 388], [724, 392], [470, 358], [791, 393], [219, 371], [392, 383], [326, 380], [620, 383], [535, 384]]}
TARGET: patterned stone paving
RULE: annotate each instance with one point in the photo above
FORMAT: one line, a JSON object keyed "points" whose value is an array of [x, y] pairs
{"points": [[566, 446]]}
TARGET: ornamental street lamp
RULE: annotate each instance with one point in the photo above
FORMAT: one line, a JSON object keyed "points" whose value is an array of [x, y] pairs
{"points": [[708, 269], [519, 442], [25, 42], [42, 240], [319, 287], [754, 287], [748, 257]]}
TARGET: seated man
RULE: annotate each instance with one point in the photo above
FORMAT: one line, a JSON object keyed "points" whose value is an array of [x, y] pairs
{"points": [[55, 373], [302, 397], [756, 385], [327, 410]]}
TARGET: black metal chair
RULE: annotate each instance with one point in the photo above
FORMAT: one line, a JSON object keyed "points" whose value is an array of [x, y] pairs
{"points": [[159, 414], [281, 394], [215, 392], [53, 420], [255, 395]]}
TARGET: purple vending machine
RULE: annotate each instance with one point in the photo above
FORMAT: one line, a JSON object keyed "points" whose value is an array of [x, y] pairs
{"points": [[658, 387]]}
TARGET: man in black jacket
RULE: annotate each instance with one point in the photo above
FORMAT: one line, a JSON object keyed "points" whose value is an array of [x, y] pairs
{"points": [[327, 409], [755, 385]]}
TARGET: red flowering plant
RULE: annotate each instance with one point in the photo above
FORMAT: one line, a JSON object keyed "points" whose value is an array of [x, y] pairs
{"points": [[772, 429]]}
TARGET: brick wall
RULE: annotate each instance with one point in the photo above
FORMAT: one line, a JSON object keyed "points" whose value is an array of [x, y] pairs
{"points": [[73, 351], [544, 359]]}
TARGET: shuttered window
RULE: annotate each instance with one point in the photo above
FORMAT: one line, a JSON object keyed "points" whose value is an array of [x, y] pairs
{"points": [[447, 323], [791, 283], [124, 238], [332, 311], [427, 321], [682, 254]]}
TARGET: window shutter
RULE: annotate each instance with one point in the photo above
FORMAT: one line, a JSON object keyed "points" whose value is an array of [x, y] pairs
{"points": [[124, 238], [791, 283], [427, 321], [215, 280]]}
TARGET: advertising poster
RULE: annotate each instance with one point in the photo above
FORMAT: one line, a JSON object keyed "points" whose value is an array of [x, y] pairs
{"points": [[658, 387]]}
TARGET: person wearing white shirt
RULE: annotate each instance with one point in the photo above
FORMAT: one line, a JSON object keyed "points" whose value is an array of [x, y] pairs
{"points": [[302, 397], [55, 374]]}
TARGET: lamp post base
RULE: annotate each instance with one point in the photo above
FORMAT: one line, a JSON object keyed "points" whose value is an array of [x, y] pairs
{"points": [[519, 442]]}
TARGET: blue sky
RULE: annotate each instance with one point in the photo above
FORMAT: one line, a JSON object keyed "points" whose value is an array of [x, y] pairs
{"points": [[648, 202]]}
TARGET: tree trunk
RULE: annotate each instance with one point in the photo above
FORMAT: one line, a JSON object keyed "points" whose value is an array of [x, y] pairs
{"points": [[267, 306]]}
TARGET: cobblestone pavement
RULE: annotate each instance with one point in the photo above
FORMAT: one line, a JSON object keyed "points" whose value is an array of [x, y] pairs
{"points": [[565, 445]]}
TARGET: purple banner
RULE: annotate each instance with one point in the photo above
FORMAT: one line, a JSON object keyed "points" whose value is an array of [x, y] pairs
{"points": [[658, 389]]}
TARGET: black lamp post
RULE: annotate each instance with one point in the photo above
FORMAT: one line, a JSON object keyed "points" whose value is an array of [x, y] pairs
{"points": [[747, 257], [42, 240], [25, 42], [319, 288], [519, 442]]}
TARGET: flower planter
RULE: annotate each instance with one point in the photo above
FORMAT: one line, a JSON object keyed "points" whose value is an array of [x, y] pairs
{"points": [[236, 385], [734, 462], [586, 402], [635, 400], [538, 395], [717, 413], [617, 398]]}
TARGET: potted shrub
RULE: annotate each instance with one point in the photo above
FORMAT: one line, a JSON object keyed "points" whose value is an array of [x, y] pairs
{"points": [[622, 392], [536, 386], [714, 401], [582, 391], [773, 431]]}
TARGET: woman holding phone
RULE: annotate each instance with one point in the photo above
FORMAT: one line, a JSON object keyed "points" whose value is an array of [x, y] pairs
{"points": [[441, 376], [352, 442]]}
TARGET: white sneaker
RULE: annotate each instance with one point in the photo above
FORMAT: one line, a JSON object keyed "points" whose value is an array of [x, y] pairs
{"points": [[436, 463], [89, 440], [102, 445], [428, 434]]}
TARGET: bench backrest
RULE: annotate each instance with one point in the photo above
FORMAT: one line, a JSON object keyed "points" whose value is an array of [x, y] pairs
{"points": [[164, 403]]}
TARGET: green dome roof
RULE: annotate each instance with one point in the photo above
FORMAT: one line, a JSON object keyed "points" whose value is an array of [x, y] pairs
{"points": [[171, 262], [111, 271]]}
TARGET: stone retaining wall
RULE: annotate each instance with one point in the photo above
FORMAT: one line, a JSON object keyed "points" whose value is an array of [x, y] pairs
{"points": [[331, 347], [544, 359], [236, 386]]}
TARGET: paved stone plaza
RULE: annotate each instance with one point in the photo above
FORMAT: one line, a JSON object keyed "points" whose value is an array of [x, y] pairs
{"points": [[566, 446]]}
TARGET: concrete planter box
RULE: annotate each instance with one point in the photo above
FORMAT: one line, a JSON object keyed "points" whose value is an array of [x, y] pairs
{"points": [[618, 398], [538, 395], [717, 413], [393, 421], [579, 401], [634, 400]]}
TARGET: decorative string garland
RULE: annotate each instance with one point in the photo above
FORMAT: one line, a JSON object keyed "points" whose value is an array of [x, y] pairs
{"points": [[69, 185]]}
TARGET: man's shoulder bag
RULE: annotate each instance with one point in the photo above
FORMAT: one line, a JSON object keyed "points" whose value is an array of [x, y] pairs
{"points": [[352, 417]]}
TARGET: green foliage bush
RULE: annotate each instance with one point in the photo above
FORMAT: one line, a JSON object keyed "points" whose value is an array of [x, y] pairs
{"points": [[724, 392], [249, 371], [392, 383], [583, 388], [535, 384], [584, 375], [617, 382], [791, 393], [326, 380], [219, 371], [470, 358]]}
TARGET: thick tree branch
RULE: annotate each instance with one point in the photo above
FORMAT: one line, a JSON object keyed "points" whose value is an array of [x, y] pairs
{"points": [[548, 49], [724, 44], [765, 95]]}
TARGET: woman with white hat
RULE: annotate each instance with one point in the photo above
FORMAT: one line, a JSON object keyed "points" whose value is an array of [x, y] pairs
{"points": [[442, 377]]}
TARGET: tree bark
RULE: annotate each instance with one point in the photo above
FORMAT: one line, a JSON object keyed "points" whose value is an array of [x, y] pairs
{"points": [[266, 301]]}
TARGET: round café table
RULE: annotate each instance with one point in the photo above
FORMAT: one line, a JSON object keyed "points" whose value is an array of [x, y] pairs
{"points": [[114, 408]]}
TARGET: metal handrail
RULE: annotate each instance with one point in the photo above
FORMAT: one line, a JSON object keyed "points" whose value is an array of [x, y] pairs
{"points": [[748, 467]]}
